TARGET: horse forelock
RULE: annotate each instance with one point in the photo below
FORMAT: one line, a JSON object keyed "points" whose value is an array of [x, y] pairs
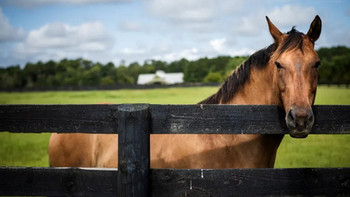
{"points": [[294, 40]]}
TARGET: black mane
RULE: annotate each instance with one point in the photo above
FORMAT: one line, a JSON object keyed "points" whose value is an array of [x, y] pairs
{"points": [[259, 59], [294, 40]]}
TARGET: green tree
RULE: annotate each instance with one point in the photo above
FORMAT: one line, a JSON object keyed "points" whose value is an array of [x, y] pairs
{"points": [[11, 77], [147, 67], [213, 77], [177, 66], [123, 77], [133, 71], [195, 71], [107, 81], [92, 76], [335, 65]]}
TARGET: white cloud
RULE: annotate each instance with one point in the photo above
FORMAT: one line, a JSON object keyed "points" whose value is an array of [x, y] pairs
{"points": [[7, 32], [197, 15], [184, 10], [60, 40], [129, 51], [336, 36], [290, 15], [240, 52], [87, 36], [29, 3], [190, 54], [221, 46], [132, 26], [158, 52], [250, 26], [218, 44], [283, 17]]}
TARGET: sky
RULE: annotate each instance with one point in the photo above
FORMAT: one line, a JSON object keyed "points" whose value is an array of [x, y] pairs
{"points": [[168, 30]]}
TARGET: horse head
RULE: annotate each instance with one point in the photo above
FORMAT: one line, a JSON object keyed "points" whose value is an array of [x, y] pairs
{"points": [[295, 63]]}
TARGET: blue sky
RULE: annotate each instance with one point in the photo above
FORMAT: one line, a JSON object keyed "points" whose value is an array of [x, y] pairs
{"points": [[137, 30]]}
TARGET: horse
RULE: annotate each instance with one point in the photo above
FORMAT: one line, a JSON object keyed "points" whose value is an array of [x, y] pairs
{"points": [[284, 74]]}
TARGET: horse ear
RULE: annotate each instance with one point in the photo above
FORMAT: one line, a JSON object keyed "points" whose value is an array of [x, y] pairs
{"points": [[315, 29], [274, 31]]}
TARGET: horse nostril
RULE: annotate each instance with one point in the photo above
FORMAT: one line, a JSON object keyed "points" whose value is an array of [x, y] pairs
{"points": [[291, 119], [311, 119], [291, 115]]}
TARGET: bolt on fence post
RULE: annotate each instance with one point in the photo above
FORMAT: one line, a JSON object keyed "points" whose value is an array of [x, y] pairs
{"points": [[133, 151]]}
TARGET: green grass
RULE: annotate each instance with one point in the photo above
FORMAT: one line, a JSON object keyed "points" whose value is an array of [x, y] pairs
{"points": [[18, 149], [314, 151], [332, 95], [155, 96]]}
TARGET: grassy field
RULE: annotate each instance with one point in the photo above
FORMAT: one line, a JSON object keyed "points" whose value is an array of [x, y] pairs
{"points": [[314, 151]]}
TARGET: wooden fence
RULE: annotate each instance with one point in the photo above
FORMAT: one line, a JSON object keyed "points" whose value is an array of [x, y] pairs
{"points": [[134, 176]]}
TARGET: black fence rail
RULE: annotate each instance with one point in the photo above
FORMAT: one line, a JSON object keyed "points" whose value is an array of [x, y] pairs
{"points": [[168, 119], [134, 176], [177, 182]]}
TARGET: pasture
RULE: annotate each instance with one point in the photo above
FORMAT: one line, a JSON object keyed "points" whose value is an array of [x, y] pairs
{"points": [[314, 151]]}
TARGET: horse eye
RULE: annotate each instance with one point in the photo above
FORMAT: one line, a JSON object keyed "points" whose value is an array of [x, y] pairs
{"points": [[317, 64], [278, 65]]}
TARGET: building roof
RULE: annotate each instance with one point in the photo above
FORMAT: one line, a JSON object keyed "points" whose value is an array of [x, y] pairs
{"points": [[160, 77]]}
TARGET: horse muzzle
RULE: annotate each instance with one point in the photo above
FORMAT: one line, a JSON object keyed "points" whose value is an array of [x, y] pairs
{"points": [[299, 121]]}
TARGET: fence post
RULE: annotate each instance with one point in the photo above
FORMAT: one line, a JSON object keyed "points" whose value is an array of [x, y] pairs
{"points": [[133, 151]]}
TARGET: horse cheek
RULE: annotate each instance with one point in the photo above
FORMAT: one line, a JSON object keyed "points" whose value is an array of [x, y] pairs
{"points": [[282, 85]]}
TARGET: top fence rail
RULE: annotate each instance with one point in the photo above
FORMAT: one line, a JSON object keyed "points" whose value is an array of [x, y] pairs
{"points": [[169, 119]]}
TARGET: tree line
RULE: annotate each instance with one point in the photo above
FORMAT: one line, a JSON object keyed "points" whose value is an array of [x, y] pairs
{"points": [[334, 69]]}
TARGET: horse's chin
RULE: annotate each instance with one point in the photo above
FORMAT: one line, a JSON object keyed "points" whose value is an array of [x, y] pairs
{"points": [[299, 134]]}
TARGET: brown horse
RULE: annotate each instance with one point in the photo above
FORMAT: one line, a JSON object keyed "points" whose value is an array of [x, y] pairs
{"points": [[283, 74]]}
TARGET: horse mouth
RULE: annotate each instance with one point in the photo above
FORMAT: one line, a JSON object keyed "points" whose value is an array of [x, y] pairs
{"points": [[299, 134], [299, 131]]}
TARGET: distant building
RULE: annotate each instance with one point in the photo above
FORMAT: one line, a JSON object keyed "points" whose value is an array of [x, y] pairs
{"points": [[160, 77]]}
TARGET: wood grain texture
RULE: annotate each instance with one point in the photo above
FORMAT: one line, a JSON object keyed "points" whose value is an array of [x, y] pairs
{"points": [[21, 181], [331, 119], [251, 182], [168, 182], [58, 118], [217, 119], [134, 150], [172, 119]]}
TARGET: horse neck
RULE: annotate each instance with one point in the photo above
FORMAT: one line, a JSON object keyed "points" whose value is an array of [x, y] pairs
{"points": [[261, 89]]}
